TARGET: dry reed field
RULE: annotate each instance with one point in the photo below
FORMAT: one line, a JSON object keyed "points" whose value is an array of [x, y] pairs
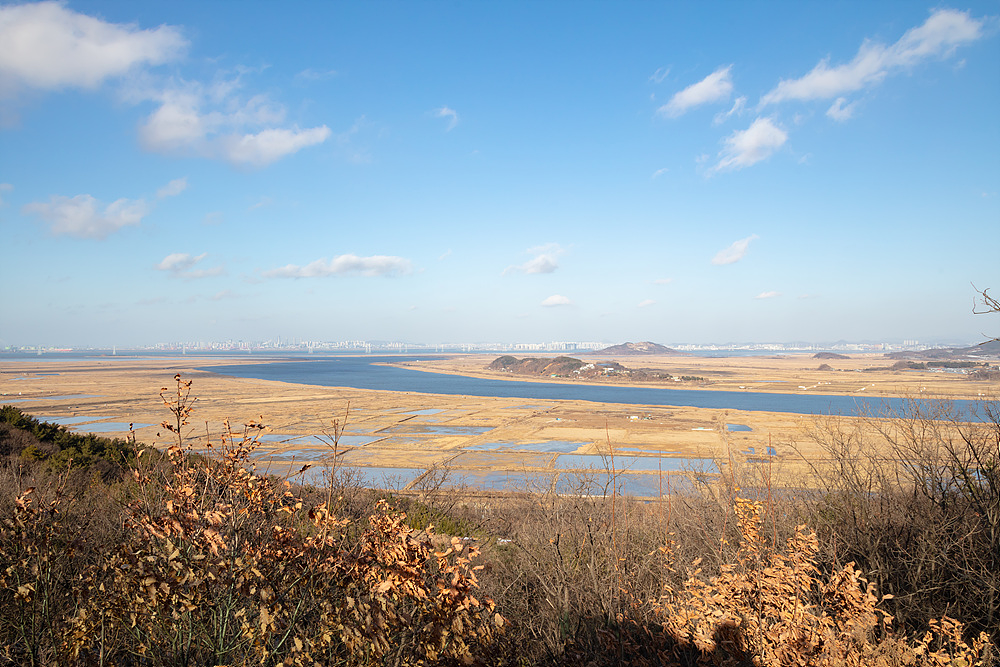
{"points": [[187, 553]]}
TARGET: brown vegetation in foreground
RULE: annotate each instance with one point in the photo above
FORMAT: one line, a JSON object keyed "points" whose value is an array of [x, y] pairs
{"points": [[191, 560]]}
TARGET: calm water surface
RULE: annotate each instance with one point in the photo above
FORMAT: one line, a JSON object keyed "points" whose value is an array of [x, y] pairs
{"points": [[365, 373]]}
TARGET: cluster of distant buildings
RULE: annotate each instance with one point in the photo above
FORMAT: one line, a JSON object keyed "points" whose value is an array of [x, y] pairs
{"points": [[398, 347]]}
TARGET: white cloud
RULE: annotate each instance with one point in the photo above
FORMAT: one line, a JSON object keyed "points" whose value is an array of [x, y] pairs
{"points": [[840, 110], [747, 147], [214, 122], [179, 261], [943, 32], [83, 216], [734, 252], [450, 114], [767, 295], [659, 172], [268, 146], [375, 265], [173, 188], [5, 187], [739, 106], [663, 281], [556, 300], [646, 302], [48, 46], [715, 87], [181, 265], [545, 260], [660, 74]]}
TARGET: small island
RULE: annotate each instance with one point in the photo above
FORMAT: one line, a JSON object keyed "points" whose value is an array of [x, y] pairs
{"points": [[570, 367]]}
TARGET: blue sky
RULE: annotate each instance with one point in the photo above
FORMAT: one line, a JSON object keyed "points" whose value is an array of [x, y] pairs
{"points": [[443, 172]]}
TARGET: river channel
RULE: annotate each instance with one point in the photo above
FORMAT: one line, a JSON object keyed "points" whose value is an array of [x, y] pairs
{"points": [[369, 373]]}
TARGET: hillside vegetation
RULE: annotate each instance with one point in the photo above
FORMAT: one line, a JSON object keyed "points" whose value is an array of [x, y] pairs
{"points": [[569, 367], [201, 560]]}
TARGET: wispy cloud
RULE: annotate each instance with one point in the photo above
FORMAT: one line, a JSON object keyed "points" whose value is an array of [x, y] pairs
{"points": [[450, 114], [659, 172], [659, 75], [181, 265], [83, 216], [840, 110], [173, 188], [645, 303], [48, 46], [375, 265], [767, 295], [4, 187], [716, 87], [748, 147], [310, 74], [545, 260], [260, 203], [663, 281], [938, 37], [556, 300], [739, 106], [734, 252]]}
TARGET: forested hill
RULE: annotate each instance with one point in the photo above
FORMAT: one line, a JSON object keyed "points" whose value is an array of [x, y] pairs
{"points": [[570, 367], [645, 347], [559, 366]]}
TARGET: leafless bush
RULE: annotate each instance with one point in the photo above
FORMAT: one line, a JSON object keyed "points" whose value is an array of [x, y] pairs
{"points": [[914, 498]]}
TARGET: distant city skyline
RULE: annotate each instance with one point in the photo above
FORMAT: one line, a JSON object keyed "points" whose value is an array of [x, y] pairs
{"points": [[397, 346], [443, 171]]}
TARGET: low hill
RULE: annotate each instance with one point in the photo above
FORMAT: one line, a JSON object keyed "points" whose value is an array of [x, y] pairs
{"points": [[537, 365], [830, 355], [990, 349], [645, 347], [568, 367]]}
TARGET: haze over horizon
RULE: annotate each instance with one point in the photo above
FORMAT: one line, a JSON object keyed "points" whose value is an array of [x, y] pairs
{"points": [[440, 171]]}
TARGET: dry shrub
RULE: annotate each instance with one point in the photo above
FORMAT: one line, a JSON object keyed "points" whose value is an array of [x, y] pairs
{"points": [[776, 608], [203, 561], [913, 497], [219, 565]]}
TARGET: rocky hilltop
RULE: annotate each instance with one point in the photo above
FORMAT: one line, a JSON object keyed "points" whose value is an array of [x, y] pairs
{"points": [[645, 347]]}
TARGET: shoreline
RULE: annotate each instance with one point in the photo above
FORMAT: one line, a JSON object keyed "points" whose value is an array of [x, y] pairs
{"points": [[876, 384]]}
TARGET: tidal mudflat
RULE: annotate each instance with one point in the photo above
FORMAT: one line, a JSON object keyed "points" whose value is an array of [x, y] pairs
{"points": [[402, 435]]}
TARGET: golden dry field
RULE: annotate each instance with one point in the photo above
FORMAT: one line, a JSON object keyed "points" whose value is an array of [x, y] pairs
{"points": [[512, 443]]}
